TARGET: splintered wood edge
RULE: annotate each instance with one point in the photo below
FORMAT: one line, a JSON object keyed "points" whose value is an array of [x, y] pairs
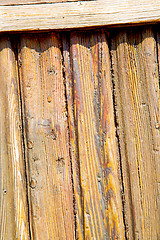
{"points": [[68, 15]]}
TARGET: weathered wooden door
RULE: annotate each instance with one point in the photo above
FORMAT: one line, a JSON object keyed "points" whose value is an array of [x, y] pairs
{"points": [[79, 129]]}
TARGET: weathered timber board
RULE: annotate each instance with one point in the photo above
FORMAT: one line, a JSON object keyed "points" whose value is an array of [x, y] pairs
{"points": [[135, 71], [74, 152], [99, 206], [79, 129], [24, 2], [13, 194], [47, 141], [70, 15], [158, 129]]}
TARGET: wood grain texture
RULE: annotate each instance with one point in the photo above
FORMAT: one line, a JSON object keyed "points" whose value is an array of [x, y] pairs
{"points": [[158, 128], [77, 14], [74, 153], [62, 96], [13, 194], [99, 211], [24, 2], [134, 60], [47, 141]]}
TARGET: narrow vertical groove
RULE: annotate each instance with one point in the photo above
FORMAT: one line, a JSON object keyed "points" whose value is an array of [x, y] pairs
{"points": [[15, 41], [67, 112], [118, 142]]}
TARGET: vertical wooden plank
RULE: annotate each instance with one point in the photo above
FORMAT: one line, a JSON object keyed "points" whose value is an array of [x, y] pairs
{"points": [[98, 201], [13, 194], [134, 60], [47, 143], [158, 126], [74, 153]]}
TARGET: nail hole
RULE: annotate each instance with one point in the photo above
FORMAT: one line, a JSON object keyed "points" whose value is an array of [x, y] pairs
{"points": [[33, 183]]}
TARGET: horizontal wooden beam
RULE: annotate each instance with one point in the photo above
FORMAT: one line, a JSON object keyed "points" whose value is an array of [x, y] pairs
{"points": [[68, 15], [24, 2]]}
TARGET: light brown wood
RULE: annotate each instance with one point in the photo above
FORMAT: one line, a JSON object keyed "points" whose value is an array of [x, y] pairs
{"points": [[157, 125], [73, 135], [99, 207], [78, 14], [13, 193], [47, 140], [134, 61], [24, 2], [62, 96]]}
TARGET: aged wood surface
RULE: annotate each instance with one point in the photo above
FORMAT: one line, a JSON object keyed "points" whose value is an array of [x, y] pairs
{"points": [[80, 135], [134, 60], [74, 153], [13, 200], [24, 2], [77, 14], [157, 125], [47, 140], [98, 200]]}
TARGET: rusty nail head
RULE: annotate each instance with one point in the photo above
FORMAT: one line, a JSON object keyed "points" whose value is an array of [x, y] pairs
{"points": [[49, 99]]}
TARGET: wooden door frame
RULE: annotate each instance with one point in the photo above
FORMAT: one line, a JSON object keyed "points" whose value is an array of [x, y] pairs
{"points": [[33, 15]]}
